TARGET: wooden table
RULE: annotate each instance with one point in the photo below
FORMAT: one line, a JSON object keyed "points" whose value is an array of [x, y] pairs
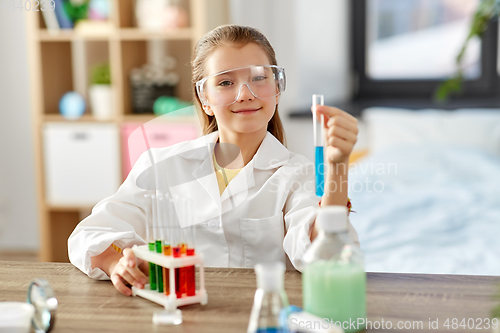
{"points": [[86, 305]]}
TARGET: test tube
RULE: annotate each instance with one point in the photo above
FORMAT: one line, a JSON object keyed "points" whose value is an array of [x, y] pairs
{"points": [[190, 270], [190, 236], [176, 251], [167, 251], [184, 205], [182, 270], [319, 168], [150, 238], [157, 237], [174, 242]]}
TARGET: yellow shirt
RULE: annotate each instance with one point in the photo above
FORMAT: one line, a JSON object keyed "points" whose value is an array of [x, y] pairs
{"points": [[224, 176]]}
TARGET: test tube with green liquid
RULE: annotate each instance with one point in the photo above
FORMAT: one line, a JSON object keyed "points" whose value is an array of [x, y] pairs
{"points": [[150, 238], [157, 204]]}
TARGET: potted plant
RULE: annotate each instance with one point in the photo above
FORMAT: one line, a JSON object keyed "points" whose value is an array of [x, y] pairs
{"points": [[100, 92], [486, 11], [76, 10]]}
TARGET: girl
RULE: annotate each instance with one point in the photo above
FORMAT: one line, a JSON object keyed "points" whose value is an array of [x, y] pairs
{"points": [[260, 206]]}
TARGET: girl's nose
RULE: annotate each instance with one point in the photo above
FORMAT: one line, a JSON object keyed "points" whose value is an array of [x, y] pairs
{"points": [[245, 94]]}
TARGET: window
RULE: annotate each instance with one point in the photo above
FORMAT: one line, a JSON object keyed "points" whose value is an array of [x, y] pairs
{"points": [[405, 49]]}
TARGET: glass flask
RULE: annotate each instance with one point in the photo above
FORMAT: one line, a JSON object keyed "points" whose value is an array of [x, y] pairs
{"points": [[270, 300]]}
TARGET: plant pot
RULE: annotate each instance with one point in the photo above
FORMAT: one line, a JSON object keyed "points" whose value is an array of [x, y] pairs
{"points": [[101, 101]]}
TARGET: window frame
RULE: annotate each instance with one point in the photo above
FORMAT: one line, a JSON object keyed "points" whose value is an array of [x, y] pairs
{"points": [[487, 85]]}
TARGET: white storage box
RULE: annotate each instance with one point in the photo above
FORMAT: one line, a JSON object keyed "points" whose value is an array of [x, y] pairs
{"points": [[82, 164]]}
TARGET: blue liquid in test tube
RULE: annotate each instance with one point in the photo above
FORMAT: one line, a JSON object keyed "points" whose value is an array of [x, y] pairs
{"points": [[319, 168]]}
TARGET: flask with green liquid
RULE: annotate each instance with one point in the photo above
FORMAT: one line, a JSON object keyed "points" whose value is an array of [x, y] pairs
{"points": [[333, 278]]}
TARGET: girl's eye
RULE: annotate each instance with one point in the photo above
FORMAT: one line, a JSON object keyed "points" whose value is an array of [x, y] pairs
{"points": [[225, 83], [259, 78]]}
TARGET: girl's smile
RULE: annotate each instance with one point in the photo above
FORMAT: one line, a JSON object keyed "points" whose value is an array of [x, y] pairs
{"points": [[246, 111]]}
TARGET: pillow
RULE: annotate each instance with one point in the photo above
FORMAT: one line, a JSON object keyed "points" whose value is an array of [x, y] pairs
{"points": [[471, 128]]}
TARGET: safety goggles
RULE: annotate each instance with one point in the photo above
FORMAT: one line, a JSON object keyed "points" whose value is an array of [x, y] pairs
{"points": [[224, 88]]}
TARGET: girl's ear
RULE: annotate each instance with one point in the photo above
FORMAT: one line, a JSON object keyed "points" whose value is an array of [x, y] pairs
{"points": [[278, 99], [208, 110]]}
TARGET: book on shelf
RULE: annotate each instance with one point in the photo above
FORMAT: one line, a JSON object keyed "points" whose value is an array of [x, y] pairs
{"points": [[62, 17], [50, 18]]}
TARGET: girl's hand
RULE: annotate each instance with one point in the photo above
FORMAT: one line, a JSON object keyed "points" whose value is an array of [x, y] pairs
{"points": [[129, 270], [341, 133]]}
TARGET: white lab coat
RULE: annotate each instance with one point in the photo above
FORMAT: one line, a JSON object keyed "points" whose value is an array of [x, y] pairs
{"points": [[265, 214]]}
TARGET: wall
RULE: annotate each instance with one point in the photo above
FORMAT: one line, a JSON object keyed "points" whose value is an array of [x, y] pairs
{"points": [[18, 215]]}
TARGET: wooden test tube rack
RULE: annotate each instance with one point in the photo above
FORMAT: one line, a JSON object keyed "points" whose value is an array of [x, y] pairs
{"points": [[171, 302]]}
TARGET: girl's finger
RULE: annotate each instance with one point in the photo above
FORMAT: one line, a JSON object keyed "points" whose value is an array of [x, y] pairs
{"points": [[342, 133], [120, 285], [330, 111], [128, 254], [344, 146], [342, 122], [132, 275], [333, 111], [129, 261], [122, 271]]}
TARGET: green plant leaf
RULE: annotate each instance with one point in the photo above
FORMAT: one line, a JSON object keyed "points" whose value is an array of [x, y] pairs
{"points": [[100, 74], [486, 10], [74, 12], [453, 85]]}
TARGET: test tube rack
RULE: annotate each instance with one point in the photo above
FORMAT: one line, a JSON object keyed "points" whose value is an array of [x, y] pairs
{"points": [[171, 302]]}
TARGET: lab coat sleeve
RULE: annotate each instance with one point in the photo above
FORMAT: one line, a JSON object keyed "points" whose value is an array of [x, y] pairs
{"points": [[300, 213], [118, 219]]}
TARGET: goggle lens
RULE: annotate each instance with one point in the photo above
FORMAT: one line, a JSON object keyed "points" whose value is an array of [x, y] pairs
{"points": [[224, 88]]}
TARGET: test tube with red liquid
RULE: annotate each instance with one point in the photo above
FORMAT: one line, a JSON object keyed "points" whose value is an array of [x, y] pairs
{"points": [[187, 274], [176, 250], [190, 270], [182, 270]]}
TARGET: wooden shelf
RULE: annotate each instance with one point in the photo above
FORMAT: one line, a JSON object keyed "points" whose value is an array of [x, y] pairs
{"points": [[148, 117], [67, 208], [140, 118], [67, 35], [84, 118]]}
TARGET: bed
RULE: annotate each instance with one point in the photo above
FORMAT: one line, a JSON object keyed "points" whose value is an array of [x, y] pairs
{"points": [[427, 194]]}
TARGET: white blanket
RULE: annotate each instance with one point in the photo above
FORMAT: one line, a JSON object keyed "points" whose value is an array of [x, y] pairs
{"points": [[428, 209]]}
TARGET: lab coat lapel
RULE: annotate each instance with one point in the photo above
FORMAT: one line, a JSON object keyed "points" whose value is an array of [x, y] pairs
{"points": [[203, 188], [271, 154], [205, 175]]}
